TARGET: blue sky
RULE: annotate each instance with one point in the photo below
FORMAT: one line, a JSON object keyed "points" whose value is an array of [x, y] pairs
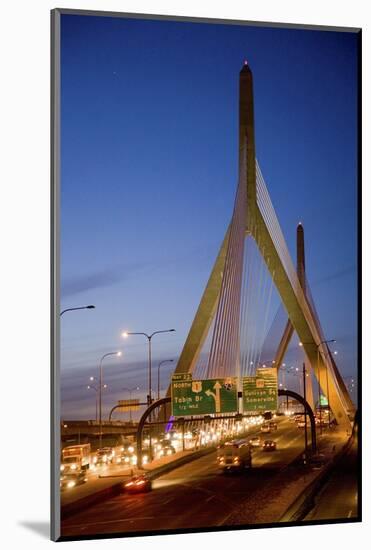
{"points": [[149, 172]]}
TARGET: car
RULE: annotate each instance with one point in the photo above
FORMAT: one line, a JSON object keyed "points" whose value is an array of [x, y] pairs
{"points": [[124, 458], [317, 461], [301, 424], [255, 441], [273, 425], [234, 455], [138, 484], [68, 481], [104, 455], [269, 445], [164, 448], [265, 428]]}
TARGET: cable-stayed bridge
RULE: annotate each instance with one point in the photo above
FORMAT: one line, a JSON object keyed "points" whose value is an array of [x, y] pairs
{"points": [[232, 320]]}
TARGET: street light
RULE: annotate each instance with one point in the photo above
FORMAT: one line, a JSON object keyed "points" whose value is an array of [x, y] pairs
{"points": [[286, 370], [117, 354], [149, 338], [264, 364], [75, 308], [130, 390], [327, 387], [305, 409], [319, 377], [158, 374], [95, 388], [319, 383]]}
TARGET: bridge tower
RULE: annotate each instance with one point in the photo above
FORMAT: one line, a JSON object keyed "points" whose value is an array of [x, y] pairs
{"points": [[260, 222], [289, 329]]}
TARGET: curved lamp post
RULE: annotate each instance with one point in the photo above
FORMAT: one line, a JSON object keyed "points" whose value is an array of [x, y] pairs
{"points": [[149, 338], [130, 390], [96, 389], [75, 308], [158, 374], [117, 354], [319, 377]]}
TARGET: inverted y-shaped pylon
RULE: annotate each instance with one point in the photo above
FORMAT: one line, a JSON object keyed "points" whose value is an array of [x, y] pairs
{"points": [[254, 215]]}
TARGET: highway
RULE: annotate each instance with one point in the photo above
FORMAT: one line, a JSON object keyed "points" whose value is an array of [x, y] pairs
{"points": [[196, 495], [339, 497]]}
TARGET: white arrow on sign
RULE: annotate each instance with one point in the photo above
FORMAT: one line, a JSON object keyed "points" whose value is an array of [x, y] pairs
{"points": [[215, 395]]}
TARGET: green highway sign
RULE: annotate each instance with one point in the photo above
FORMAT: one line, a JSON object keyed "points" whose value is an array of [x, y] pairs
{"points": [[182, 376], [323, 401], [260, 392], [194, 397], [128, 405]]}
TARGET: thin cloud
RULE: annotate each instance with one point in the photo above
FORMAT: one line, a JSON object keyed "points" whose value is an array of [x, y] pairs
{"points": [[335, 275], [105, 278]]}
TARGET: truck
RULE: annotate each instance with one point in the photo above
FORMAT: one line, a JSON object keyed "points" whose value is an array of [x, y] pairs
{"points": [[234, 455], [75, 458]]}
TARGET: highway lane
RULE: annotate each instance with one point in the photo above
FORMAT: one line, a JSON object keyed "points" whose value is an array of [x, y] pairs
{"points": [[339, 497], [196, 495]]}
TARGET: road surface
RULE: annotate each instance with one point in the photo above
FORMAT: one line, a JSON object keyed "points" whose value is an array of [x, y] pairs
{"points": [[196, 495], [339, 497]]}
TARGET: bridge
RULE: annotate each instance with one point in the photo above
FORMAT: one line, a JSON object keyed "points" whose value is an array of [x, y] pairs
{"points": [[223, 318]]}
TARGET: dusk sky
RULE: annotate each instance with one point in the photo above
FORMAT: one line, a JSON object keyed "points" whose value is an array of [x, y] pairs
{"points": [[149, 173]]}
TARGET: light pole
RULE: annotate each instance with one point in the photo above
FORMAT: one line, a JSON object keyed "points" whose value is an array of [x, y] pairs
{"points": [[327, 386], [286, 370], [130, 390], [75, 308], [95, 388], [319, 377], [158, 374], [319, 383], [117, 354], [264, 363], [149, 338], [305, 410]]}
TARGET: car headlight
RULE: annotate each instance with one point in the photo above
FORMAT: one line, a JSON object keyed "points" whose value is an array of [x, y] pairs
{"points": [[73, 466], [131, 449]]}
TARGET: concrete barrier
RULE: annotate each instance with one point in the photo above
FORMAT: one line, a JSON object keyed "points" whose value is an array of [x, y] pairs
{"points": [[303, 504]]}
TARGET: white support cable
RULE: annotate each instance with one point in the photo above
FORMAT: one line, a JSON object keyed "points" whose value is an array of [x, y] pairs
{"points": [[266, 316], [263, 303], [251, 312], [256, 320], [249, 307], [244, 311]]}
